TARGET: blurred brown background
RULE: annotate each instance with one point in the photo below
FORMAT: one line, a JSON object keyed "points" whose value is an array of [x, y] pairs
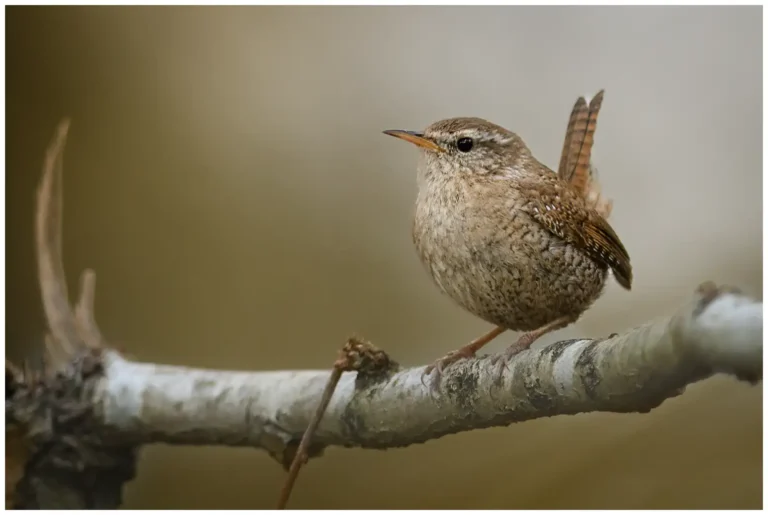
{"points": [[227, 178]]}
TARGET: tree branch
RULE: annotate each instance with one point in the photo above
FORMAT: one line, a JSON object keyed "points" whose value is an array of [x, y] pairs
{"points": [[85, 416], [632, 372]]}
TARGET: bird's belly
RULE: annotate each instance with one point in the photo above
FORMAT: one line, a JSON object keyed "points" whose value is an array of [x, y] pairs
{"points": [[520, 282]]}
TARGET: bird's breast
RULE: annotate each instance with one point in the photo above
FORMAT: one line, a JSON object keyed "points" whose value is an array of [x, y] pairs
{"points": [[498, 263]]}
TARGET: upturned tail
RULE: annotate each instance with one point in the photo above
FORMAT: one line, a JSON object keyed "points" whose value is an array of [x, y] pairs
{"points": [[575, 160]]}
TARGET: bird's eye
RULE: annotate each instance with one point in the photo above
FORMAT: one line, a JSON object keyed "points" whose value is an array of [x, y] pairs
{"points": [[465, 144]]}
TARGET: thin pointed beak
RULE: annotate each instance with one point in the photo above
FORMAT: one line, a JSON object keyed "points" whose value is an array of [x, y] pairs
{"points": [[416, 138]]}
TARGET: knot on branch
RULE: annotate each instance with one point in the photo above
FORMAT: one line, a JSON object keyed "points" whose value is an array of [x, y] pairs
{"points": [[65, 449], [371, 363]]}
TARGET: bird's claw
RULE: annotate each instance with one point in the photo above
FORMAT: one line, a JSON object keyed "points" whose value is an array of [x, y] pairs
{"points": [[443, 363], [502, 359]]}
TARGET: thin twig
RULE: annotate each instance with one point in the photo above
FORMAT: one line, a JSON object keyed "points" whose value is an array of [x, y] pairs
{"points": [[301, 453], [48, 230], [371, 364]]}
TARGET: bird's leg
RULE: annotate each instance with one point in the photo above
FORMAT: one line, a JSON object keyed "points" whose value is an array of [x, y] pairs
{"points": [[467, 351], [527, 339]]}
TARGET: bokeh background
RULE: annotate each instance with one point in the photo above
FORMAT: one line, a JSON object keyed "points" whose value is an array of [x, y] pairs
{"points": [[227, 178]]}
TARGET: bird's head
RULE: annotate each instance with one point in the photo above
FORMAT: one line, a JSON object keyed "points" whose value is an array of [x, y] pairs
{"points": [[466, 145]]}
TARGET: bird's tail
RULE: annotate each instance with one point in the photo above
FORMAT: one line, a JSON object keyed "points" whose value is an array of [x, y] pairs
{"points": [[575, 161]]}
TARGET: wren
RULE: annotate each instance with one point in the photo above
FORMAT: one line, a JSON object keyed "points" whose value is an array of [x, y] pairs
{"points": [[511, 241]]}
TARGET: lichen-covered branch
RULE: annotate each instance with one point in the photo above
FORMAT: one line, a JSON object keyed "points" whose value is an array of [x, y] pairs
{"points": [[78, 423], [634, 371]]}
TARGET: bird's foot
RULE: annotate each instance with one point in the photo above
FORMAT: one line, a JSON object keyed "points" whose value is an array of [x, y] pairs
{"points": [[526, 340], [441, 364], [502, 359], [468, 351]]}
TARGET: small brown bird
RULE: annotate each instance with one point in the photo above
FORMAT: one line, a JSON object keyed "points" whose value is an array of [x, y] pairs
{"points": [[511, 241]]}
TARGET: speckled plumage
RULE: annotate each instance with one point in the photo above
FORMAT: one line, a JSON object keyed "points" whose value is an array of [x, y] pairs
{"points": [[503, 236]]}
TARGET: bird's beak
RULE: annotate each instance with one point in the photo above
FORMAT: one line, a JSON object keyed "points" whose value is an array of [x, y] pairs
{"points": [[416, 138]]}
